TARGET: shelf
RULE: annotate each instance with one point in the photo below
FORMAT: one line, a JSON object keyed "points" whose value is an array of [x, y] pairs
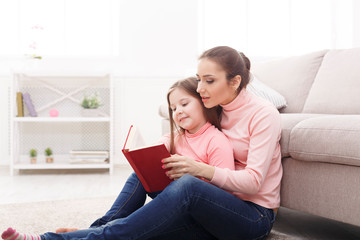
{"points": [[62, 119], [71, 129], [61, 73], [24, 166]]}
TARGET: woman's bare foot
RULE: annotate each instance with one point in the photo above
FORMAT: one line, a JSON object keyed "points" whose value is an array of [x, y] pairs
{"points": [[65, 230]]}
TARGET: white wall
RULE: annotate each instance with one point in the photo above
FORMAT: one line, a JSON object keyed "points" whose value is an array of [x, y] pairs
{"points": [[158, 38], [356, 26], [158, 45], [4, 120]]}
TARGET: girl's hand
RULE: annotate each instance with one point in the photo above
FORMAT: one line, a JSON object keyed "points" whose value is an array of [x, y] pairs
{"points": [[181, 165]]}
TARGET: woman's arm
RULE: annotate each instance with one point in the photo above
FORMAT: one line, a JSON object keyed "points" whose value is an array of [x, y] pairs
{"points": [[263, 151], [182, 165]]}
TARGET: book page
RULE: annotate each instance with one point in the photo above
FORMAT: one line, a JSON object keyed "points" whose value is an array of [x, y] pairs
{"points": [[134, 139], [138, 140]]}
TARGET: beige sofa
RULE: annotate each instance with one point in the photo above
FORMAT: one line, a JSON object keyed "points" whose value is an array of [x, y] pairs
{"points": [[320, 131]]}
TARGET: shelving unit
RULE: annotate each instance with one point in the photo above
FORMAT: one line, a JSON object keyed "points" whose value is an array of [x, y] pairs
{"points": [[69, 130]]}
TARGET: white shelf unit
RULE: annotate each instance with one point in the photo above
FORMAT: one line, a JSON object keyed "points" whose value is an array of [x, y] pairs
{"points": [[69, 130]]}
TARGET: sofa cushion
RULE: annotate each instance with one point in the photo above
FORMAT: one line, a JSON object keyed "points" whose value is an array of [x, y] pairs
{"points": [[292, 77], [164, 111], [288, 122], [336, 86], [332, 139], [260, 89]]}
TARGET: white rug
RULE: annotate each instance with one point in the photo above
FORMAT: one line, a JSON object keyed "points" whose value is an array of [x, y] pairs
{"points": [[40, 217], [47, 216]]}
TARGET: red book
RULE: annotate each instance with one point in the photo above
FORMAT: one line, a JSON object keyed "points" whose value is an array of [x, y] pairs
{"points": [[146, 161]]}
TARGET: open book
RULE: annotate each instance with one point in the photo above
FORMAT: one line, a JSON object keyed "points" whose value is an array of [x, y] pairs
{"points": [[146, 161]]}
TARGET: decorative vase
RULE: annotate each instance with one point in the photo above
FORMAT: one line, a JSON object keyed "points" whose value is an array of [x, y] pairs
{"points": [[49, 159]]}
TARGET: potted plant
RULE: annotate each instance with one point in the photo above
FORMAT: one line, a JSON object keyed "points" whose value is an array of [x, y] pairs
{"points": [[48, 154], [33, 155], [90, 105]]}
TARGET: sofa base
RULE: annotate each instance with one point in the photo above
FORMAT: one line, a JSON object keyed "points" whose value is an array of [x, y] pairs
{"points": [[328, 190]]}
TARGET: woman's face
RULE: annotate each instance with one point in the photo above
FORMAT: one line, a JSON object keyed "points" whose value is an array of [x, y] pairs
{"points": [[213, 86]]}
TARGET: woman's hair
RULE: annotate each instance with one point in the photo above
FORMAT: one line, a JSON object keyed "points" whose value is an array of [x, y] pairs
{"points": [[233, 62], [189, 85]]}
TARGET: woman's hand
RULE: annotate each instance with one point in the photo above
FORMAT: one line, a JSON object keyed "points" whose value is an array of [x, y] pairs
{"points": [[181, 165]]}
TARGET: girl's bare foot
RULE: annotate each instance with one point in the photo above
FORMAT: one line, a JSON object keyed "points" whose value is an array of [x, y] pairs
{"points": [[65, 230]]}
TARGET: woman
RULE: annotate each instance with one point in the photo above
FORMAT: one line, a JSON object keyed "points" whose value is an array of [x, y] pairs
{"points": [[253, 127], [236, 204]]}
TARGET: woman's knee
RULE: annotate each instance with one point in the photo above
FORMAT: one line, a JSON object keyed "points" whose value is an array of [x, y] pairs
{"points": [[188, 183]]}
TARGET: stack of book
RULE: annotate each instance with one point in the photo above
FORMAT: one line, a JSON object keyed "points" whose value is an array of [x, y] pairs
{"points": [[22, 98], [79, 156]]}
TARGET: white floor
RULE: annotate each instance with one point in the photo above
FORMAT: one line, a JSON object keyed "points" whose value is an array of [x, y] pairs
{"points": [[33, 186]]}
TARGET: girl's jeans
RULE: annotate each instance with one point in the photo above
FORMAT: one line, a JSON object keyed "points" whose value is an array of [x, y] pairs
{"points": [[188, 208]]}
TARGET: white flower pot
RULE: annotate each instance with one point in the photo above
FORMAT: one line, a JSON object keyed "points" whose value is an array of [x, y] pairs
{"points": [[89, 112]]}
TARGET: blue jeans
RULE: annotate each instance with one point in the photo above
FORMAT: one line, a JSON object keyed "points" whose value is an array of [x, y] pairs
{"points": [[131, 198], [188, 208]]}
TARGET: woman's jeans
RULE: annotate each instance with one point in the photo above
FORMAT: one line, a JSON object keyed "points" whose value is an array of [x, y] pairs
{"points": [[189, 208]]}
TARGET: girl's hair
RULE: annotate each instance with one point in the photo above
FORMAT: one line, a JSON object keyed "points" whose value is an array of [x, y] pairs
{"points": [[189, 85], [233, 62]]}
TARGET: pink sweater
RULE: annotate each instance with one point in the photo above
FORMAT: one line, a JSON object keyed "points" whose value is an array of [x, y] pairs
{"points": [[253, 127], [207, 145]]}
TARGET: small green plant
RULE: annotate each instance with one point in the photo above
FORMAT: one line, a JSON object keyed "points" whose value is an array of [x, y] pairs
{"points": [[91, 102], [33, 153], [48, 152], [33, 56]]}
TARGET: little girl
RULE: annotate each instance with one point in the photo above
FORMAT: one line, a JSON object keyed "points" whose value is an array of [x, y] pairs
{"points": [[195, 132]]}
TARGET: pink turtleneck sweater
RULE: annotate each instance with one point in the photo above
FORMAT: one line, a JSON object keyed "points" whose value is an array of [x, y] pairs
{"points": [[253, 127], [208, 145]]}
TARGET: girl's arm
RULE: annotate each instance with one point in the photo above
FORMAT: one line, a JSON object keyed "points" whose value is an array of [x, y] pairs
{"points": [[219, 153]]}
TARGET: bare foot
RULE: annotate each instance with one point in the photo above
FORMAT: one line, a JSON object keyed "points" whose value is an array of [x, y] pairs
{"points": [[65, 230]]}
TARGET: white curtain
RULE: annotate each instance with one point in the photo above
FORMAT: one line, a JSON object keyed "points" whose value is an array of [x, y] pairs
{"points": [[257, 27], [59, 27], [279, 27]]}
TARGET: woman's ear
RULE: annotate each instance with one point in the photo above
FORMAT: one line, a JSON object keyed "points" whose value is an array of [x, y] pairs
{"points": [[236, 81]]}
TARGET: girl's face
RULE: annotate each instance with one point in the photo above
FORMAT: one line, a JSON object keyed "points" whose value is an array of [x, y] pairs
{"points": [[187, 110], [213, 86]]}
